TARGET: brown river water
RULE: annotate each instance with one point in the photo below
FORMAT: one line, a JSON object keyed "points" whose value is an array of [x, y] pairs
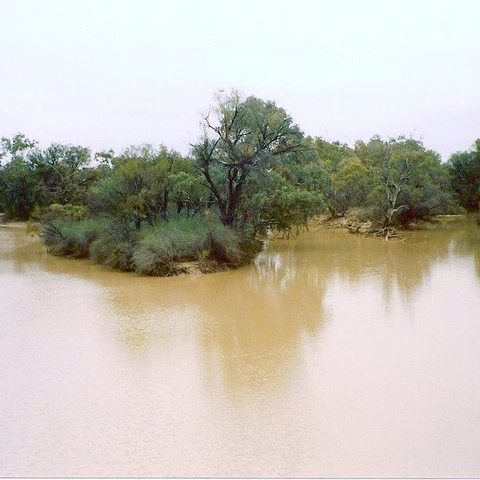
{"points": [[332, 356]]}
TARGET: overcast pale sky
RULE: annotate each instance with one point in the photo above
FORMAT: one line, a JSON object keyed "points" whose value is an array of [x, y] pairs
{"points": [[112, 73]]}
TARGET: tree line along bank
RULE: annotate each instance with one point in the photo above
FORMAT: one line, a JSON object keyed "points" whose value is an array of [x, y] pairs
{"points": [[252, 171]]}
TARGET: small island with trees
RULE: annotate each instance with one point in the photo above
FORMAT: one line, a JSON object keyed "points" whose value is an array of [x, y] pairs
{"points": [[153, 211]]}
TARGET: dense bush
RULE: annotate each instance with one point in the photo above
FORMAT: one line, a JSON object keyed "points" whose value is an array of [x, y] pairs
{"points": [[223, 246], [159, 250], [72, 238], [114, 245], [464, 170], [162, 250]]}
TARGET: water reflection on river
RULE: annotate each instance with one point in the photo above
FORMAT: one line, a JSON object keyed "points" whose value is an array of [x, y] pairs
{"points": [[332, 356]]}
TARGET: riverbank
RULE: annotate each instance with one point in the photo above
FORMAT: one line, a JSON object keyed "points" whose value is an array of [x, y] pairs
{"points": [[352, 221], [157, 253], [181, 245], [178, 268]]}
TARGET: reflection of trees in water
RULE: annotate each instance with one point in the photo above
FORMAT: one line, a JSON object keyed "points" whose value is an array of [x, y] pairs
{"points": [[251, 321], [19, 248], [399, 268], [256, 320], [467, 242], [258, 316], [401, 265]]}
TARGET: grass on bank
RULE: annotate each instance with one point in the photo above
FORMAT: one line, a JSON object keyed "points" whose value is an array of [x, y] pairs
{"points": [[160, 250]]}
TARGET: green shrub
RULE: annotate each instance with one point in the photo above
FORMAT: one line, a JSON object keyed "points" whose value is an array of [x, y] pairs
{"points": [[163, 247], [223, 245], [154, 255], [58, 212], [71, 238], [162, 250], [114, 246]]}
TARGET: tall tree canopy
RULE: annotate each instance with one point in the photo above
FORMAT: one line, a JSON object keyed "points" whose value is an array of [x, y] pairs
{"points": [[409, 182], [142, 183], [17, 181], [243, 142], [465, 177]]}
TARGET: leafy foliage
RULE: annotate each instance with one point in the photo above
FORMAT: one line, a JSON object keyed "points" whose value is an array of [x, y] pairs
{"points": [[282, 207], [464, 169], [252, 171], [114, 245], [35, 178], [71, 238], [17, 184], [141, 184], [162, 250], [408, 181], [243, 139], [61, 174], [17, 189]]}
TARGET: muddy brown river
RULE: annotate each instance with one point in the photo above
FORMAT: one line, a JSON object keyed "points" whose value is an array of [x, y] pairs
{"points": [[332, 356]]}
